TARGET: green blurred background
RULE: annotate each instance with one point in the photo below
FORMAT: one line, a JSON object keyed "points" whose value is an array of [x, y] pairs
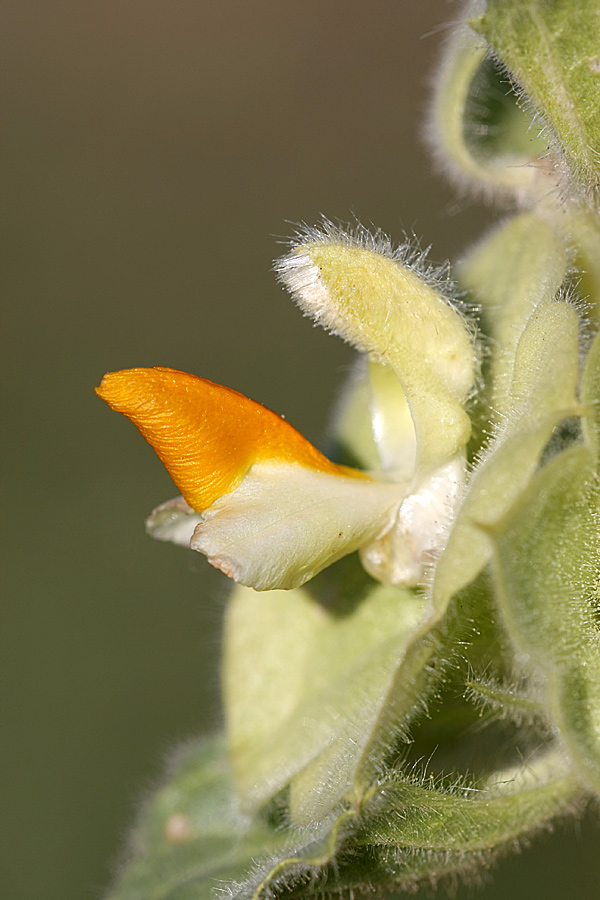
{"points": [[153, 154]]}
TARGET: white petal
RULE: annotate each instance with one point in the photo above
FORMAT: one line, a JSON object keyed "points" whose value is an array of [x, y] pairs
{"points": [[392, 424], [402, 554], [173, 521], [285, 523]]}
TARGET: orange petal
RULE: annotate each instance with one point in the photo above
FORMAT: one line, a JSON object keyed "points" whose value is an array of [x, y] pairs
{"points": [[206, 435]]}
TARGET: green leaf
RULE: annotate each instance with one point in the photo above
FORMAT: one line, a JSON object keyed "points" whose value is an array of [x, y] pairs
{"points": [[189, 838], [463, 820], [590, 397], [189, 843], [543, 392], [476, 124], [363, 741], [546, 365], [311, 684], [546, 569], [505, 700], [512, 272], [411, 833], [583, 228], [552, 50]]}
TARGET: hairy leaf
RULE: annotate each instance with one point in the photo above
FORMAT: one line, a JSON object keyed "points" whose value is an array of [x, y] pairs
{"points": [[476, 125], [590, 397], [546, 568], [310, 685], [189, 837], [470, 819], [510, 294], [552, 51], [543, 389]]}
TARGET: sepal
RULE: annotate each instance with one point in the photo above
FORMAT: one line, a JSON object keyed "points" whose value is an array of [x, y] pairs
{"points": [[508, 295], [476, 127], [551, 52], [189, 844], [310, 686], [543, 393], [546, 568]]}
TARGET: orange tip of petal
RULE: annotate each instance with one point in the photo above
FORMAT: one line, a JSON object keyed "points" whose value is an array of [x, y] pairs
{"points": [[207, 436]]}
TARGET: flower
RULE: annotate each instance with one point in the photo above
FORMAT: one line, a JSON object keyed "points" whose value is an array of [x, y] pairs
{"points": [[260, 501]]}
